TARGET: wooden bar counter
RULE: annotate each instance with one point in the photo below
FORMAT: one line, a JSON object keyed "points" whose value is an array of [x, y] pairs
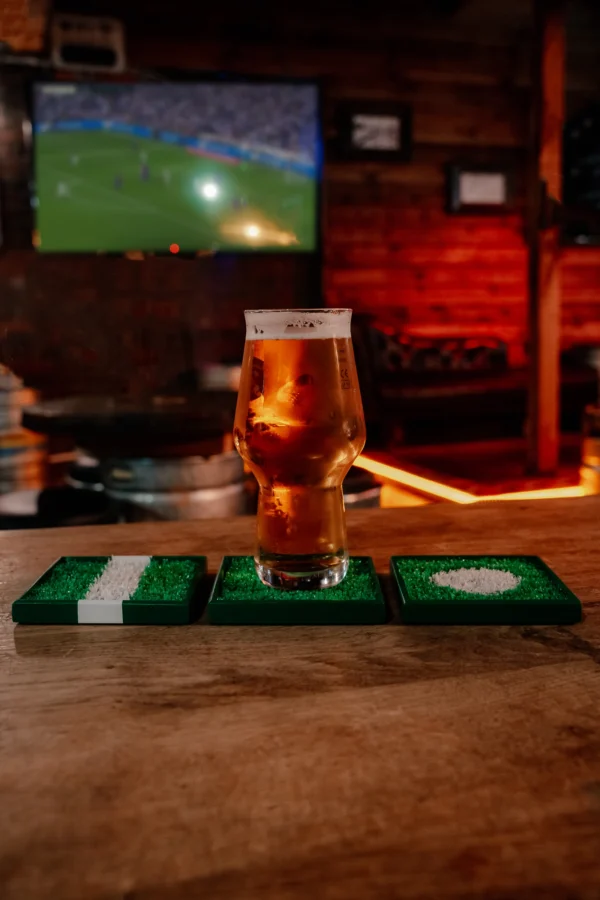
{"points": [[356, 762]]}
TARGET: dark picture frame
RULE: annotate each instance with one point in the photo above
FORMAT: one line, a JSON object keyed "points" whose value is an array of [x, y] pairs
{"points": [[374, 131], [478, 190]]}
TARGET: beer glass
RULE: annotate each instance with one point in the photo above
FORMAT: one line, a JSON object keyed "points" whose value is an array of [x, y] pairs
{"points": [[299, 426]]}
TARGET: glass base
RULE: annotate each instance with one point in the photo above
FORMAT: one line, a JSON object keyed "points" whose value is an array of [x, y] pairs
{"points": [[297, 574]]}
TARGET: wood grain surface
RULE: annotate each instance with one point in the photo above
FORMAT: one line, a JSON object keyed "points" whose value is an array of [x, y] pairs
{"points": [[367, 762]]}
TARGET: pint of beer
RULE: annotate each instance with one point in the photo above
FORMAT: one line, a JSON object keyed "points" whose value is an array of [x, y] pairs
{"points": [[299, 426]]}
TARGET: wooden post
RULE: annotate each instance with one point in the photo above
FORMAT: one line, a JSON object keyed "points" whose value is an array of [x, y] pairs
{"points": [[544, 238]]}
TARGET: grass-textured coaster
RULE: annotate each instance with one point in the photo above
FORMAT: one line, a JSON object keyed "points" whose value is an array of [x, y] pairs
{"points": [[114, 590], [482, 590], [240, 598]]}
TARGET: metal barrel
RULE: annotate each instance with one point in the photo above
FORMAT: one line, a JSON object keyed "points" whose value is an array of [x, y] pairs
{"points": [[192, 487], [361, 491]]}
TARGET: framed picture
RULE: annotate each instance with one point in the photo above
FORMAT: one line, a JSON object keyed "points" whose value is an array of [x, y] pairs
{"points": [[374, 131], [473, 190]]}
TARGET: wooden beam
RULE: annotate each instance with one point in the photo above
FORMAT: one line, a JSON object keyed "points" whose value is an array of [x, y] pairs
{"points": [[544, 238]]}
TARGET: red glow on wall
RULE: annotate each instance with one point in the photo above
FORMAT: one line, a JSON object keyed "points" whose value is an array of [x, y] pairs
{"points": [[174, 248]]}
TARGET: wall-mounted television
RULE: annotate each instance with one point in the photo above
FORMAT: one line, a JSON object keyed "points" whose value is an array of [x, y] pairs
{"points": [[176, 166]]}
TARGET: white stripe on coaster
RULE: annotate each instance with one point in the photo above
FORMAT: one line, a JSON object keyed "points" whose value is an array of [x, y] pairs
{"points": [[103, 603]]}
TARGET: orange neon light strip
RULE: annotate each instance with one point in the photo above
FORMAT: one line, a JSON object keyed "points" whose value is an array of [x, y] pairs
{"points": [[446, 492], [426, 485], [574, 490]]}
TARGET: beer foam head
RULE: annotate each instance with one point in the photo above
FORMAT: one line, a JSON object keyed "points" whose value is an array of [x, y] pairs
{"points": [[297, 324]]}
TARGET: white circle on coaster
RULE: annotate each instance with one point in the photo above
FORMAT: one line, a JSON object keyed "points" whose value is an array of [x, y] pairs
{"points": [[477, 581]]}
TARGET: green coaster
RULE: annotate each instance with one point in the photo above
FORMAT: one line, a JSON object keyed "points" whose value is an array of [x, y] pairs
{"points": [[240, 598], [114, 590], [482, 590]]}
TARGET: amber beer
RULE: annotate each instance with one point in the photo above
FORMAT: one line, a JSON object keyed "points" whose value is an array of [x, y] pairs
{"points": [[299, 426]]}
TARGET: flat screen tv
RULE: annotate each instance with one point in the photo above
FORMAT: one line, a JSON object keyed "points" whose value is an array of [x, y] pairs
{"points": [[176, 167]]}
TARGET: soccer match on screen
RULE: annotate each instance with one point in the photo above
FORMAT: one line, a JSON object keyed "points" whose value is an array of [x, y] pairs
{"points": [[176, 167]]}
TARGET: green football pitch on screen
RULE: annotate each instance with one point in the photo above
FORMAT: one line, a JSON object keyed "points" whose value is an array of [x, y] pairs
{"points": [[97, 191]]}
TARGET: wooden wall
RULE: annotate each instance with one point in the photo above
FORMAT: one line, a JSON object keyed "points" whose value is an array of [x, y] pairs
{"points": [[389, 247]]}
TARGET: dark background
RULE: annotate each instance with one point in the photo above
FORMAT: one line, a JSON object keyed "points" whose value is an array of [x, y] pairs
{"points": [[117, 325]]}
